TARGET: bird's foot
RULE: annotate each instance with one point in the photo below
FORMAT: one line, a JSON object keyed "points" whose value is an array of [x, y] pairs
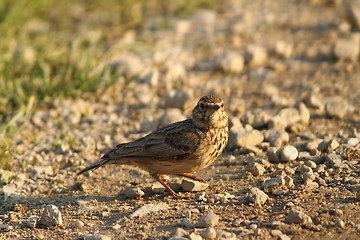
{"points": [[192, 177]]}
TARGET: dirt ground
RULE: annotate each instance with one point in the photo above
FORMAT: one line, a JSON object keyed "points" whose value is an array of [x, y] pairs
{"points": [[91, 204]]}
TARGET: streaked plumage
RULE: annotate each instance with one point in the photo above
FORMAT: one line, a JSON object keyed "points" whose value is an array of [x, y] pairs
{"points": [[180, 148]]}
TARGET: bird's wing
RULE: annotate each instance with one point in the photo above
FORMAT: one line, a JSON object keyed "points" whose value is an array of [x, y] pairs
{"points": [[174, 142]]}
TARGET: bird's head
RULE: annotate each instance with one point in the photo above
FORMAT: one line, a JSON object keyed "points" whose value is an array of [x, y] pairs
{"points": [[209, 112]]}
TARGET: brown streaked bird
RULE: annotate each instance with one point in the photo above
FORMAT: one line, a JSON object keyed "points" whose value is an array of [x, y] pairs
{"points": [[179, 148]]}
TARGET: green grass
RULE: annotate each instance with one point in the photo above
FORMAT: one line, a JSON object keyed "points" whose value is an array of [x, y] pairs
{"points": [[53, 49]]}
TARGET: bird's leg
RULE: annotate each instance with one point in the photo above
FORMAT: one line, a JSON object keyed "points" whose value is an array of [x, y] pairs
{"points": [[157, 177], [192, 177]]}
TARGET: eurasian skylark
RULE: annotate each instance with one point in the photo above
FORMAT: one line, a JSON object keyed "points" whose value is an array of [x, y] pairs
{"points": [[179, 148]]}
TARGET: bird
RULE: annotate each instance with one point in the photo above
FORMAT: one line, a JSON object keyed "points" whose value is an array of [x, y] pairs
{"points": [[180, 148]]}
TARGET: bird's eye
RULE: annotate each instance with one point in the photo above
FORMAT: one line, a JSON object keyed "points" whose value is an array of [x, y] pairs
{"points": [[201, 106], [222, 105]]}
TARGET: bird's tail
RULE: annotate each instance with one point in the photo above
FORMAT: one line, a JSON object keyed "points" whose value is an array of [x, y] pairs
{"points": [[95, 165]]}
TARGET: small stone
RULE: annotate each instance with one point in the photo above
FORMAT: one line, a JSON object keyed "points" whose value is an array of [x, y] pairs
{"points": [[292, 116], [275, 232], [310, 185], [298, 217], [356, 189], [312, 100], [224, 235], [180, 232], [333, 144], [255, 55], [257, 196], [51, 216], [175, 72], [258, 232], [82, 202], [256, 118], [31, 222], [273, 224], [283, 49], [277, 122], [116, 226], [5, 228], [276, 137], [289, 182], [347, 50], [352, 142], [130, 64], [209, 219], [186, 223], [278, 100], [209, 233], [150, 76], [148, 208], [288, 153], [223, 197], [287, 170], [255, 168], [182, 28], [333, 160], [96, 237], [311, 164], [328, 146], [304, 113], [237, 106], [40, 170], [171, 115], [303, 169], [284, 237], [306, 173], [322, 182], [336, 212], [336, 107], [132, 192], [269, 90], [304, 156], [229, 160], [157, 188], [78, 224], [253, 226], [7, 191], [231, 62], [274, 183], [344, 27], [239, 137], [194, 236], [177, 98], [339, 223], [200, 196], [272, 154], [189, 185], [142, 93]]}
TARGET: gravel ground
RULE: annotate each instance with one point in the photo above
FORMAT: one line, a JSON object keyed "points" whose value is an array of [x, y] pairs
{"points": [[288, 72]]}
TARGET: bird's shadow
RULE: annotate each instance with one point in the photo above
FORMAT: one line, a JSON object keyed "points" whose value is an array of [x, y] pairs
{"points": [[75, 204]]}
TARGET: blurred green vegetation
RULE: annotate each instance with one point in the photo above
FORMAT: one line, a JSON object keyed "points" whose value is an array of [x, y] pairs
{"points": [[56, 48]]}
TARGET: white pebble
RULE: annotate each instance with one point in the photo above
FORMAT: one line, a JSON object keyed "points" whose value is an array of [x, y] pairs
{"points": [[209, 233], [288, 153], [193, 186], [298, 217], [210, 219], [51, 216]]}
